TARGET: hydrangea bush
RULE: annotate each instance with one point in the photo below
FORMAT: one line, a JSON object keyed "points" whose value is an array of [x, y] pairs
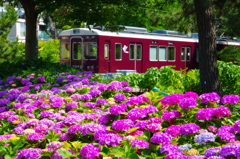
{"points": [[79, 118]]}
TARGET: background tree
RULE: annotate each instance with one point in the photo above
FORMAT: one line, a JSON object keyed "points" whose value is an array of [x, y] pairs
{"points": [[8, 49]]}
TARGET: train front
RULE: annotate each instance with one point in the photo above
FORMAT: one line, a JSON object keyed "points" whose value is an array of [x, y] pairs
{"points": [[79, 48]]}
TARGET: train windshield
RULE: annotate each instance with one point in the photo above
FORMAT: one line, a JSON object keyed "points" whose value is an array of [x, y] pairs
{"points": [[90, 50]]}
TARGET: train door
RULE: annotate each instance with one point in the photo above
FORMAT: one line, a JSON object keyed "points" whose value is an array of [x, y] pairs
{"points": [[186, 56], [135, 55], [107, 58], [77, 52]]}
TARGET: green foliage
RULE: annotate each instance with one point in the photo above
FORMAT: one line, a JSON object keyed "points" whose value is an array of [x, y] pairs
{"points": [[229, 77], [49, 50], [230, 54], [35, 66], [9, 50]]}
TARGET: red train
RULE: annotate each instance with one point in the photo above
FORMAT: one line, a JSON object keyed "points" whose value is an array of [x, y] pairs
{"points": [[133, 48]]}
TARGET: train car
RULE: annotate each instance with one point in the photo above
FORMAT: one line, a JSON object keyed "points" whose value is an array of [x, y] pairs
{"points": [[131, 49]]}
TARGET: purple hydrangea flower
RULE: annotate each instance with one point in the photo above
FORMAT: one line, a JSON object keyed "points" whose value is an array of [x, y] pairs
{"points": [[141, 144], [214, 151], [189, 128], [142, 124], [90, 104], [90, 151], [203, 138], [230, 99], [154, 120], [91, 128], [213, 129], [209, 97], [230, 150], [161, 138], [137, 100], [122, 125], [176, 155]]}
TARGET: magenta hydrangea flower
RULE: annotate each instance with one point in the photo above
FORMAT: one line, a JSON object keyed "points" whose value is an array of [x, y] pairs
{"points": [[110, 139], [189, 128], [141, 124], [41, 79], [230, 99], [191, 95], [236, 126], [209, 97], [91, 128], [168, 148], [168, 115], [140, 144], [161, 138], [54, 145], [154, 127], [136, 113], [173, 130], [137, 100], [213, 129], [221, 111], [176, 155], [150, 109], [95, 92], [205, 114], [75, 96], [30, 153], [90, 151], [117, 109], [119, 97], [122, 124], [86, 97], [71, 105], [35, 136], [171, 100], [101, 101], [188, 103]]}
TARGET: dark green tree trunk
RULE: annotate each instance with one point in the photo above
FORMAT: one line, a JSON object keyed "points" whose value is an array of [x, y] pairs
{"points": [[31, 29], [209, 75]]}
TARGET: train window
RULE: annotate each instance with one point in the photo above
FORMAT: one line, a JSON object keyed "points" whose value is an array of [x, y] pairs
{"points": [[183, 54], [153, 53], [171, 53], [138, 51], [188, 54], [106, 51], [118, 51], [64, 51], [131, 52], [162, 53], [90, 50], [77, 51]]}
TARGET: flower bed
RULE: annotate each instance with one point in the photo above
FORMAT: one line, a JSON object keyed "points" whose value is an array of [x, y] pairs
{"points": [[79, 118]]}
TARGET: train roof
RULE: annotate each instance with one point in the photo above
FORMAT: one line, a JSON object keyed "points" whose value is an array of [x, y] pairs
{"points": [[140, 34]]}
